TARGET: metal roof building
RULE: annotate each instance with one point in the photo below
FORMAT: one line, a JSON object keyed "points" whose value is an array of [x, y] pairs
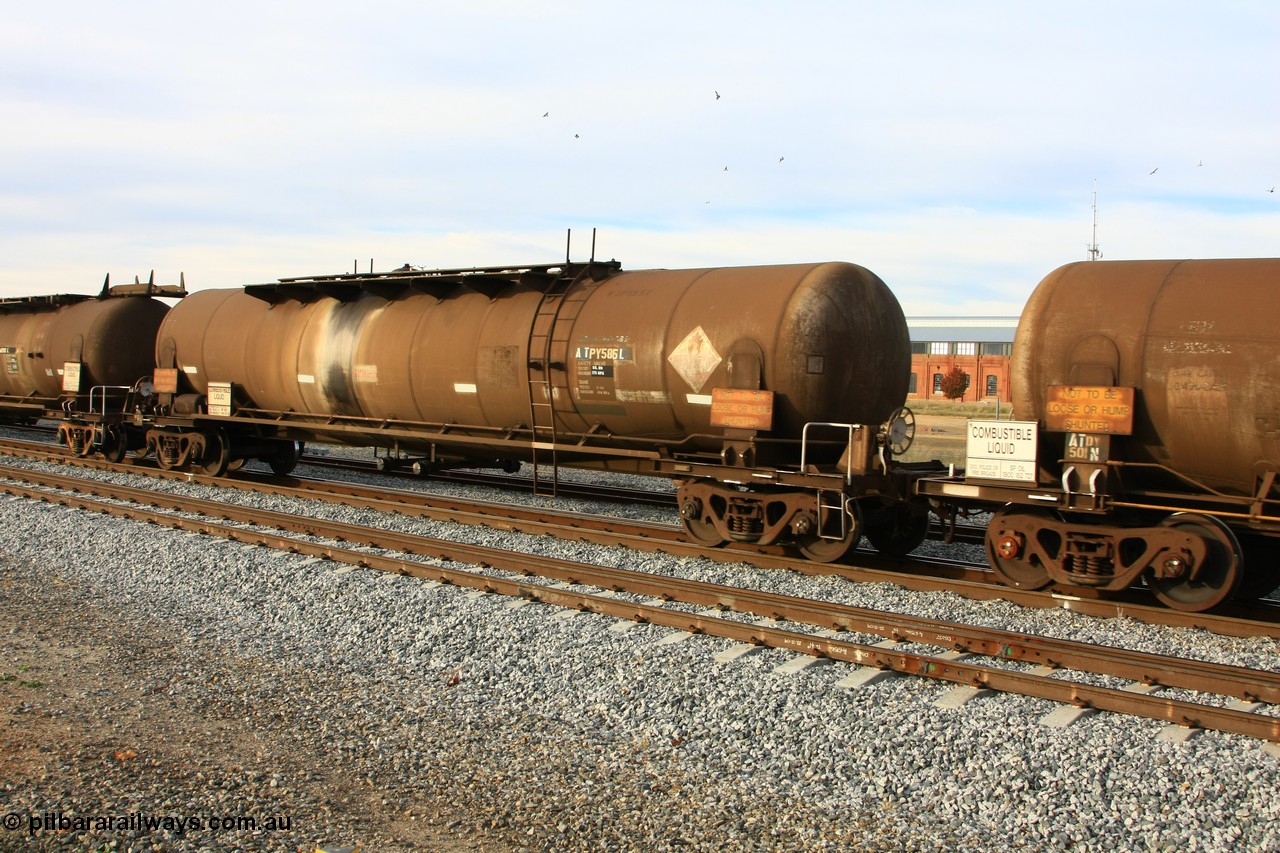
{"points": [[969, 329]]}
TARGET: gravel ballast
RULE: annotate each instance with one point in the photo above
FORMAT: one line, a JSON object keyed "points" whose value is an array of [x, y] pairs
{"points": [[155, 672]]}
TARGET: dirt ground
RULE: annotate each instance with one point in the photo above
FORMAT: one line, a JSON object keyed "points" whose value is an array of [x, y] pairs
{"points": [[89, 727]]}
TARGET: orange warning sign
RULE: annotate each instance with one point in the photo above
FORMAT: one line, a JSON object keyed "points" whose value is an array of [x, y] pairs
{"points": [[740, 409]]}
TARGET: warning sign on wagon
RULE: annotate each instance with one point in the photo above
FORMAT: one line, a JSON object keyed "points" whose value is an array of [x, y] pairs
{"points": [[742, 409], [220, 399], [71, 377], [1001, 450], [1075, 408]]}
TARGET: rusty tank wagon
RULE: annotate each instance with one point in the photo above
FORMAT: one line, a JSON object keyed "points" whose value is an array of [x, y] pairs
{"points": [[79, 358], [771, 394], [1151, 390]]}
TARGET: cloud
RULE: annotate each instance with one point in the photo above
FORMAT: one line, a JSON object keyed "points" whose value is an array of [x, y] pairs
{"points": [[953, 152]]}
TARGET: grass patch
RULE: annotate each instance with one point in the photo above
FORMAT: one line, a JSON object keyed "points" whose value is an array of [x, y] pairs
{"points": [[960, 410]]}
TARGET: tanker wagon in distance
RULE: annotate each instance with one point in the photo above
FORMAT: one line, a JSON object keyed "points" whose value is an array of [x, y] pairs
{"points": [[82, 360]]}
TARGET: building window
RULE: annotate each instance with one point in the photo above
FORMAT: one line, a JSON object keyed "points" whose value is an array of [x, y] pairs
{"points": [[939, 348], [995, 349], [937, 383], [912, 384], [966, 348], [919, 348], [993, 385]]}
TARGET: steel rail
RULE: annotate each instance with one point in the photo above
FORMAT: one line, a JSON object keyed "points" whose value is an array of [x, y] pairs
{"points": [[1152, 669], [965, 533], [510, 482], [909, 573]]}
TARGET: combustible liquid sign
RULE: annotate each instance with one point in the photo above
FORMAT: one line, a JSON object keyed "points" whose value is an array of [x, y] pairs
{"points": [[1001, 450], [219, 399]]}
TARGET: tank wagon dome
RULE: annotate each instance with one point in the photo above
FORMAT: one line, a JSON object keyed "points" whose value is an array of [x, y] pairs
{"points": [[1198, 341], [630, 353]]}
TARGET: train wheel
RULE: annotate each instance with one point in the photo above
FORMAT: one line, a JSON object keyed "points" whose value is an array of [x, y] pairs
{"points": [[827, 550], [114, 444], [821, 550], [284, 460], [703, 532], [1219, 577], [1007, 552], [697, 521], [897, 529], [217, 453], [1261, 577]]}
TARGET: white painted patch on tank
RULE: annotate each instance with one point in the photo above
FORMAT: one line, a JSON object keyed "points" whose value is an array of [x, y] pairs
{"points": [[306, 379], [464, 388], [628, 396]]}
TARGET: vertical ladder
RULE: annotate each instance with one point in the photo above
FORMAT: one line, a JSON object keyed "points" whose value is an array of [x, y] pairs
{"points": [[549, 344]]}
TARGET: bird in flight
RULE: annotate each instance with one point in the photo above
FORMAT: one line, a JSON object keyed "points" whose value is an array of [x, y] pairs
{"points": [[717, 96], [780, 159], [1153, 171], [544, 115]]}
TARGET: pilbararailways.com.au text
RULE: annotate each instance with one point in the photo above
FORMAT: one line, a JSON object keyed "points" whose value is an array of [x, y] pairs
{"points": [[57, 821]]}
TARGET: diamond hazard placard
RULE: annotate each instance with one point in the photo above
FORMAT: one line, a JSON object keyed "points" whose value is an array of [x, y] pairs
{"points": [[695, 359]]}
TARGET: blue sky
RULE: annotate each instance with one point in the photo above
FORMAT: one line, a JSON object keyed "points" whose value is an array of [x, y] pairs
{"points": [[952, 148]]}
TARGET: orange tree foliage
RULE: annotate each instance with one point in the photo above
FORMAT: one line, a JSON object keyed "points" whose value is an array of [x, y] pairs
{"points": [[954, 383]]}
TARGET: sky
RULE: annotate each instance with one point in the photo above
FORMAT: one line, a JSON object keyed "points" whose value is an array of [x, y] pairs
{"points": [[955, 149]]}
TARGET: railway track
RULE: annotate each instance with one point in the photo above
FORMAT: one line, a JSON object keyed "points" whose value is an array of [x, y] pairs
{"points": [[572, 489], [929, 574], [962, 532], [924, 574], [826, 630], [509, 482]]}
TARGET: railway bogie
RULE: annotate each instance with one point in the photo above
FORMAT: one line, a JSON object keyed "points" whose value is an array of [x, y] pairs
{"points": [[214, 449]]}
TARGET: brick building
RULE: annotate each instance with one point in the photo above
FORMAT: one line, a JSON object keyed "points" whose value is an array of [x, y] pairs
{"points": [[979, 346]]}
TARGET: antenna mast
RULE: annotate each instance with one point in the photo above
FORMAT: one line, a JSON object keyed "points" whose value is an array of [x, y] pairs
{"points": [[1094, 251]]}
